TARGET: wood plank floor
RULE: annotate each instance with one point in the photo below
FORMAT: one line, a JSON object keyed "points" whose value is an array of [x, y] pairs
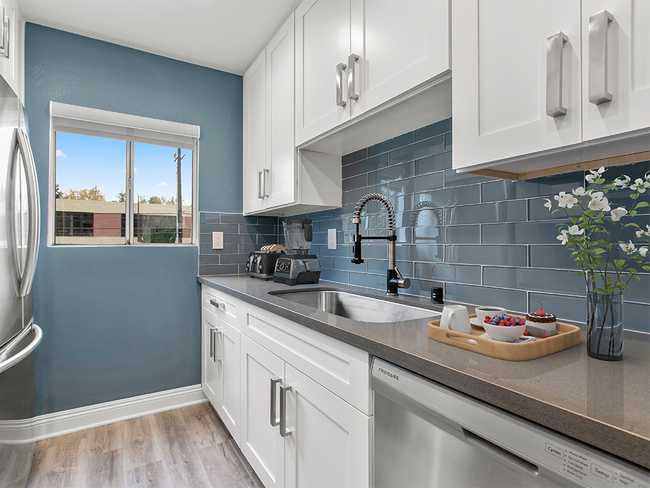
{"points": [[188, 447]]}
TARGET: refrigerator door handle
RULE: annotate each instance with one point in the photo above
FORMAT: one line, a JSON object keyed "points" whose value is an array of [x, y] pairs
{"points": [[21, 144], [6, 363]]}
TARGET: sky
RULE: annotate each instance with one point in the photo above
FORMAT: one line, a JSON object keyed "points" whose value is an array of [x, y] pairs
{"points": [[83, 162]]}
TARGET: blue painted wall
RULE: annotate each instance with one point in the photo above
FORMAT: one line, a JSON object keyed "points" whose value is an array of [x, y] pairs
{"points": [[124, 321]]}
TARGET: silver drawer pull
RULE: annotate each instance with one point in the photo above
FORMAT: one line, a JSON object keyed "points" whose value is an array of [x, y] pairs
{"points": [[340, 99], [598, 26], [218, 305], [284, 431], [554, 49], [274, 414]]}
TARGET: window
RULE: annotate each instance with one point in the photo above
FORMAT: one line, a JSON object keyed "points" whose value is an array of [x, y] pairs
{"points": [[118, 179]]}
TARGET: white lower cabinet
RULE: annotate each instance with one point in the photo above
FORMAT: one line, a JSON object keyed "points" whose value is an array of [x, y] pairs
{"points": [[299, 401], [221, 358]]}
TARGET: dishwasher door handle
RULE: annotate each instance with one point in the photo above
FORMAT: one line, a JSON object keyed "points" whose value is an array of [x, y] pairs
{"points": [[487, 445]]}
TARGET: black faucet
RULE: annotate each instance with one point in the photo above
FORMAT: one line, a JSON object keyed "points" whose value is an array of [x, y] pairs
{"points": [[394, 279]]}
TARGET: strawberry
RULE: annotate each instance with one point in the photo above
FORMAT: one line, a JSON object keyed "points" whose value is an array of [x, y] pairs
{"points": [[544, 336], [526, 333]]}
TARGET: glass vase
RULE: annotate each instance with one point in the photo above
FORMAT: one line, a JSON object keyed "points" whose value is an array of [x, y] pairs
{"points": [[605, 326]]}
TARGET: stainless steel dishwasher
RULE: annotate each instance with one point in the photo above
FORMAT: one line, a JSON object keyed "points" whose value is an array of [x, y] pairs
{"points": [[429, 435]]}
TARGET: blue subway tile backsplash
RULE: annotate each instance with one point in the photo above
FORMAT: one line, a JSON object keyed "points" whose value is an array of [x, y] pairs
{"points": [[486, 241]]}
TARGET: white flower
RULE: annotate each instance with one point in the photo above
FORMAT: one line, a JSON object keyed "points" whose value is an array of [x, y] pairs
{"points": [[640, 185], [627, 248], [643, 251], [548, 204], [622, 182], [599, 202], [574, 230], [563, 238], [617, 213], [566, 200], [595, 174], [579, 192], [642, 233]]}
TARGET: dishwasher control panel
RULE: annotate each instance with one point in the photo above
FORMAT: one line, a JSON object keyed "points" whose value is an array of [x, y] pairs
{"points": [[583, 468]]}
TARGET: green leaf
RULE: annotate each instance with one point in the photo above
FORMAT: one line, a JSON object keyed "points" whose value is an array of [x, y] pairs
{"points": [[619, 263], [642, 204], [634, 196], [631, 224], [632, 213]]}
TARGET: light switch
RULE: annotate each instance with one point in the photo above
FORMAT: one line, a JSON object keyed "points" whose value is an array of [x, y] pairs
{"points": [[331, 238], [217, 240]]}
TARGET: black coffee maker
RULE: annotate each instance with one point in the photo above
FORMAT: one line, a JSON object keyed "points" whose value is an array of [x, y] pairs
{"points": [[297, 266]]}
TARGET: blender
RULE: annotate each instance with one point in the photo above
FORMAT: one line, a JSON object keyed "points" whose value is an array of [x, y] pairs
{"points": [[297, 266]]}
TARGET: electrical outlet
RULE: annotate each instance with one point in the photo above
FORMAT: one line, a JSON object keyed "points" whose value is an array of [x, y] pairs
{"points": [[217, 240], [331, 238]]}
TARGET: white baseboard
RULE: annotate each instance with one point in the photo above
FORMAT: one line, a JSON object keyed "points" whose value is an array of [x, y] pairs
{"points": [[67, 421]]}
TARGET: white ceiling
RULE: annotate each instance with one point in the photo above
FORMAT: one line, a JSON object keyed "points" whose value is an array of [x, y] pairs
{"points": [[221, 34]]}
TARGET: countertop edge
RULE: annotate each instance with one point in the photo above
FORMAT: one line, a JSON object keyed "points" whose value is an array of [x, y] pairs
{"points": [[626, 445]]}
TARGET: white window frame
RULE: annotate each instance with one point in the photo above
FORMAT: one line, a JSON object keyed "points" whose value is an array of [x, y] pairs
{"points": [[131, 129]]}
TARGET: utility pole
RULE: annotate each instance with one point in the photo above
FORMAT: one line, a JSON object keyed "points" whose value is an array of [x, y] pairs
{"points": [[179, 198]]}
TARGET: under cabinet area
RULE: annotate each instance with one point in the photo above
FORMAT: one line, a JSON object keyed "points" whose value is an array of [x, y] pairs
{"points": [[545, 83], [304, 407]]}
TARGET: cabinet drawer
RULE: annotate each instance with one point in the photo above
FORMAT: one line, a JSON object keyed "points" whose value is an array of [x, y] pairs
{"points": [[222, 305], [339, 367]]}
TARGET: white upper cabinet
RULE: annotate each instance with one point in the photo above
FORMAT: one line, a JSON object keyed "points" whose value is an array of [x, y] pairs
{"points": [[522, 77], [499, 78], [354, 55], [280, 147], [254, 136], [322, 50], [625, 44], [402, 45], [12, 47]]}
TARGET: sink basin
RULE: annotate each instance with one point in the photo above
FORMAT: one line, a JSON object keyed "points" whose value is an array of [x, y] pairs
{"points": [[355, 307]]}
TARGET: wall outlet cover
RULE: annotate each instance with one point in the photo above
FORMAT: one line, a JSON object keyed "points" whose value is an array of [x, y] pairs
{"points": [[331, 238], [217, 240]]}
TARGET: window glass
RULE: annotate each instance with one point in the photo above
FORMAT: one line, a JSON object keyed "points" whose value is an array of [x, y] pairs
{"points": [[89, 189], [160, 203]]}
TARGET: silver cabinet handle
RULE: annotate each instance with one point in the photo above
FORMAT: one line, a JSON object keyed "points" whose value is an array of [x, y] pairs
{"points": [[259, 185], [218, 347], [4, 33], [265, 173], [7, 362], [598, 25], [211, 342], [554, 49], [274, 414], [214, 332], [218, 305], [353, 60], [284, 431], [340, 99]]}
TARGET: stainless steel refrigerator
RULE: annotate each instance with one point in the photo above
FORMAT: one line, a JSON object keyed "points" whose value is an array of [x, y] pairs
{"points": [[19, 335]]}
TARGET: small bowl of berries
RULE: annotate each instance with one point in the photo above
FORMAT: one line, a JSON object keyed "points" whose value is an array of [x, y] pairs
{"points": [[504, 327]]}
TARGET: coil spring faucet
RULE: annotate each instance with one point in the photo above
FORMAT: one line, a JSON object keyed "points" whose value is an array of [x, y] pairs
{"points": [[394, 279]]}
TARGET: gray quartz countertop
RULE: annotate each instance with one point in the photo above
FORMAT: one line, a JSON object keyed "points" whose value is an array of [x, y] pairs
{"points": [[604, 404]]}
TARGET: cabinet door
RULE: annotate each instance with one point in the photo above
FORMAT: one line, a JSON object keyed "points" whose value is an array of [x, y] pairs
{"points": [[10, 62], [402, 45], [627, 68], [260, 442], [330, 440], [280, 114], [228, 365], [500, 78], [323, 41], [210, 382], [254, 150]]}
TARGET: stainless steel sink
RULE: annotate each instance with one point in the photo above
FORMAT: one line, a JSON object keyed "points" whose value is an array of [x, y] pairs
{"points": [[355, 307]]}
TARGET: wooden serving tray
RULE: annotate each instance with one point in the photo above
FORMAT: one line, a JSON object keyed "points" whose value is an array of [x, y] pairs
{"points": [[568, 336]]}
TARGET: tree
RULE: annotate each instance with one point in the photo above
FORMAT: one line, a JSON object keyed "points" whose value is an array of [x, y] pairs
{"points": [[85, 194], [57, 192], [121, 196]]}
